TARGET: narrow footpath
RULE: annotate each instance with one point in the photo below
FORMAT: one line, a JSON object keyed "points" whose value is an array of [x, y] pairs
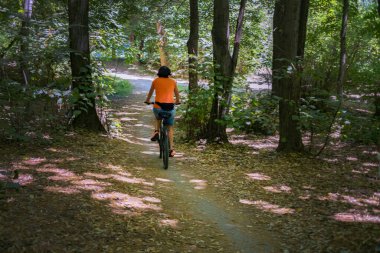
{"points": [[193, 195]]}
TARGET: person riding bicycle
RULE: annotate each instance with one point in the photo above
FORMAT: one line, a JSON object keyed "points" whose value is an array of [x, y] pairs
{"points": [[165, 88]]}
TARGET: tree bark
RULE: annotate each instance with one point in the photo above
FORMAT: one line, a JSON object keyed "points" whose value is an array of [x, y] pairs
{"points": [[24, 47], [304, 13], [82, 85], [193, 122], [377, 95], [286, 39], [162, 44], [192, 45], [141, 48], [343, 52], [224, 67]]}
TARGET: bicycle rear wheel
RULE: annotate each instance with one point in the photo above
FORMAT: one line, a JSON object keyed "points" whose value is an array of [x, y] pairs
{"points": [[165, 148]]}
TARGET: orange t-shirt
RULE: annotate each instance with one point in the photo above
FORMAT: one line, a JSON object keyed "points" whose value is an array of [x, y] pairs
{"points": [[164, 88]]}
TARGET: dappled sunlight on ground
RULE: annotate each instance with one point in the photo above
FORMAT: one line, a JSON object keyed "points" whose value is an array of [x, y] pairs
{"points": [[131, 180], [34, 161], [112, 167], [24, 179], [127, 119], [144, 139], [331, 160], [352, 159], [357, 201], [155, 153], [267, 207], [62, 189], [60, 174], [97, 175], [121, 200], [354, 216], [65, 181], [169, 223], [142, 125], [165, 180], [125, 113], [258, 176], [278, 188], [267, 143], [130, 141], [199, 184]]}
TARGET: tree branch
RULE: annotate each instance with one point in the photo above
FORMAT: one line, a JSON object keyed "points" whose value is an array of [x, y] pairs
{"points": [[238, 34]]}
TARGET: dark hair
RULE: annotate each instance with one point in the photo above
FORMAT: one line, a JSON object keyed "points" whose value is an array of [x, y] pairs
{"points": [[164, 72]]}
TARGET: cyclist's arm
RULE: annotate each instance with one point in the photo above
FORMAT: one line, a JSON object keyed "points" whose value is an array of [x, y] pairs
{"points": [[150, 93], [177, 97]]}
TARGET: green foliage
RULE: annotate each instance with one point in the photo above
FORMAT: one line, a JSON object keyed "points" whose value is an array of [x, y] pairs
{"points": [[115, 86], [316, 114], [195, 112], [255, 112], [359, 129], [30, 113]]}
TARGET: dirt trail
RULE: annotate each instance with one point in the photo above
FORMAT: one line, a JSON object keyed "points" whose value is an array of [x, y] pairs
{"points": [[193, 195]]}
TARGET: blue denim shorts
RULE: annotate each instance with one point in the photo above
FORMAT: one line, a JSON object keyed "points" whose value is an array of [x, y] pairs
{"points": [[169, 121]]}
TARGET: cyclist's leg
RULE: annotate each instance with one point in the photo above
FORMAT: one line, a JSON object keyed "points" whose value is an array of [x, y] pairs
{"points": [[157, 124], [171, 136]]}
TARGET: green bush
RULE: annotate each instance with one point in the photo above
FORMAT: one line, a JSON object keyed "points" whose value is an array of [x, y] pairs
{"points": [[114, 86], [360, 129], [254, 112]]}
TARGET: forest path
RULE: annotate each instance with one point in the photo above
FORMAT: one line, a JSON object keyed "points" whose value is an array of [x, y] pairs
{"points": [[193, 195]]}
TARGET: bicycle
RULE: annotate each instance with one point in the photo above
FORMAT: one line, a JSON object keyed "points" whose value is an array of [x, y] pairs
{"points": [[163, 139]]}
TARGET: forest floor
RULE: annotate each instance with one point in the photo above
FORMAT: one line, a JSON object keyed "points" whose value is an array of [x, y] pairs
{"points": [[85, 192]]}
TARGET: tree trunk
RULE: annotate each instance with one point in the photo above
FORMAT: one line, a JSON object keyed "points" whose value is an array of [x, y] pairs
{"points": [[141, 48], [162, 44], [286, 27], [24, 47], [304, 13], [343, 53], [377, 105], [82, 86], [224, 67], [192, 45], [192, 50], [113, 53]]}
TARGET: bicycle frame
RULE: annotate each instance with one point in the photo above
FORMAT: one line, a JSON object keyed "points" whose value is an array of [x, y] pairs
{"points": [[164, 138]]}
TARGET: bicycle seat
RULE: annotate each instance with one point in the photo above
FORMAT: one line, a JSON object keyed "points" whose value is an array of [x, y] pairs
{"points": [[165, 115]]}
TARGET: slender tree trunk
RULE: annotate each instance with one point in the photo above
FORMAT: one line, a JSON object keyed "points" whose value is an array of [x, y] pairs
{"points": [[82, 86], [304, 13], [343, 52], [224, 67], [132, 38], [113, 53], [162, 44], [286, 27], [377, 95], [24, 48], [377, 105], [192, 45], [192, 50], [141, 48]]}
